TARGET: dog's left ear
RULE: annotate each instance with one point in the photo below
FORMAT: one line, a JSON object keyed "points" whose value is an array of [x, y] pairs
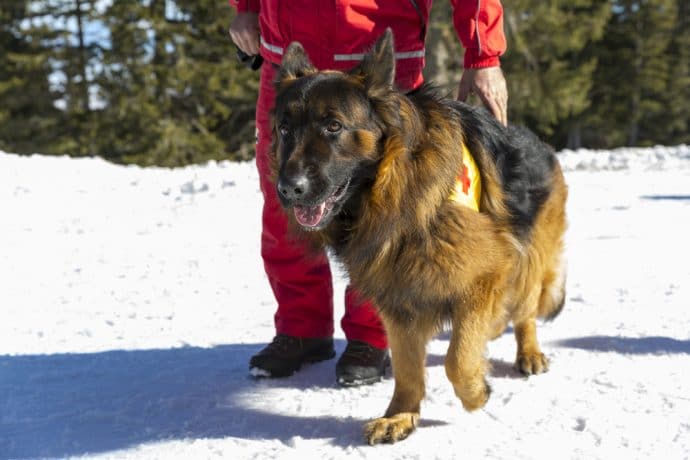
{"points": [[377, 69], [295, 64]]}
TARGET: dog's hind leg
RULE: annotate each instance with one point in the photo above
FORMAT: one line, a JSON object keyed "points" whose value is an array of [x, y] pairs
{"points": [[408, 355], [530, 359], [547, 296]]}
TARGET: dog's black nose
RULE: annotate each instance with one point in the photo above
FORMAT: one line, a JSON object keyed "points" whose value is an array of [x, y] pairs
{"points": [[293, 188]]}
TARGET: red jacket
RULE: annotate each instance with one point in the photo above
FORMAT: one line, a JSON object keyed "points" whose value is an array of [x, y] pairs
{"points": [[336, 33]]}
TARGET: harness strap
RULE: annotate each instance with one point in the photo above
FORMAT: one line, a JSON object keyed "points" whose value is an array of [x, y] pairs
{"points": [[422, 29]]}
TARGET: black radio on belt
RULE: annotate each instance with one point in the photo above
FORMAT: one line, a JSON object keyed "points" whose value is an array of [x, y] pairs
{"points": [[253, 61]]}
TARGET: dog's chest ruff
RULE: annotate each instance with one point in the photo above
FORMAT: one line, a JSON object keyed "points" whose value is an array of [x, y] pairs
{"points": [[468, 184]]}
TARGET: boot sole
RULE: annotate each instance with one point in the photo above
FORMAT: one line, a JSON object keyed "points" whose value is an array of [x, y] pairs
{"points": [[355, 382], [358, 382]]}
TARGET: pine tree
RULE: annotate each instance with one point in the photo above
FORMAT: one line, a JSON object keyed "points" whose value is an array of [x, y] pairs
{"points": [[72, 58], [174, 92], [28, 118], [675, 115], [213, 98], [633, 71], [127, 124], [548, 65]]}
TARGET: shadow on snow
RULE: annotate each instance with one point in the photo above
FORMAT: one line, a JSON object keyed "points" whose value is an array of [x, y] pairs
{"points": [[628, 345], [73, 404], [666, 197]]}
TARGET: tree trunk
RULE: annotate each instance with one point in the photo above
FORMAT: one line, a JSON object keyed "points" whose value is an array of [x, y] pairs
{"points": [[575, 136], [83, 104]]}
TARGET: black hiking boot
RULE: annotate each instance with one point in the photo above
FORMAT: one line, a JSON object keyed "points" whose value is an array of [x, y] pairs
{"points": [[361, 364], [286, 354]]}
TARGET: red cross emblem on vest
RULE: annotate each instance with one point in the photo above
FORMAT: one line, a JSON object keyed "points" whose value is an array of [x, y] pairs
{"points": [[464, 179]]}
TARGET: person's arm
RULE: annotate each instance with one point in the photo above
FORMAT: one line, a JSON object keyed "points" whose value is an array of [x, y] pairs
{"points": [[479, 25], [245, 6], [244, 29]]}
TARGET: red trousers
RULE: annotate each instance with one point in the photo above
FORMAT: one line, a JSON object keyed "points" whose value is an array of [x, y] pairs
{"points": [[301, 280]]}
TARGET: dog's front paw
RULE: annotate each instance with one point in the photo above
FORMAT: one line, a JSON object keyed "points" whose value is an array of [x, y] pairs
{"points": [[532, 363], [391, 429], [474, 395]]}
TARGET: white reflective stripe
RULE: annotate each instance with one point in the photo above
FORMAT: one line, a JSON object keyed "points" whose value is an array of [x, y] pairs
{"points": [[360, 56], [347, 57], [410, 54], [272, 48]]}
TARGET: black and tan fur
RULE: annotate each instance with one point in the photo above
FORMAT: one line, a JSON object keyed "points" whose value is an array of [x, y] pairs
{"points": [[386, 162]]}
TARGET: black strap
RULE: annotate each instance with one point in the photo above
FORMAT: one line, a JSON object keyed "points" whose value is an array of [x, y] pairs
{"points": [[422, 22]]}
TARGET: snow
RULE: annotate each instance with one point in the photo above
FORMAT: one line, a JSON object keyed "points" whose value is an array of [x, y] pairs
{"points": [[132, 299]]}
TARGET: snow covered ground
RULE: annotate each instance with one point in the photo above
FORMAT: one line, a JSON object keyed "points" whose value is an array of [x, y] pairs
{"points": [[131, 300]]}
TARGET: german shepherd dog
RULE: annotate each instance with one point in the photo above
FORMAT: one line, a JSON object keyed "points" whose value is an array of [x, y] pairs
{"points": [[370, 172]]}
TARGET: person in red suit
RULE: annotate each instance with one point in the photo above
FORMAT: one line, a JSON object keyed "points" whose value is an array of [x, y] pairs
{"points": [[335, 34]]}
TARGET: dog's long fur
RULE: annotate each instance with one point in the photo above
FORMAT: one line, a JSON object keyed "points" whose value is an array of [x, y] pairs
{"points": [[389, 163]]}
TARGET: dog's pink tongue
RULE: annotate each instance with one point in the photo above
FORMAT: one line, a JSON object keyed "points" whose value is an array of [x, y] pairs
{"points": [[310, 216]]}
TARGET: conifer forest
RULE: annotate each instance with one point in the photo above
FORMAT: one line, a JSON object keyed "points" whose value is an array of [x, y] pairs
{"points": [[157, 82]]}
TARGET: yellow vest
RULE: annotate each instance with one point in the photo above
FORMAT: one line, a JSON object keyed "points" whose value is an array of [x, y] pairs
{"points": [[468, 184]]}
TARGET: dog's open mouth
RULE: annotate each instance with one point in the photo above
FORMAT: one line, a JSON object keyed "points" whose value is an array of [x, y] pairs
{"points": [[313, 216]]}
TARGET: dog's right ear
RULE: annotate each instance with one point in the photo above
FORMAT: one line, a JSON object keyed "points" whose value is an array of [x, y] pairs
{"points": [[377, 70], [295, 65]]}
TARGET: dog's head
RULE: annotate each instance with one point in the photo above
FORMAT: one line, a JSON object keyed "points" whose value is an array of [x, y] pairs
{"points": [[328, 130]]}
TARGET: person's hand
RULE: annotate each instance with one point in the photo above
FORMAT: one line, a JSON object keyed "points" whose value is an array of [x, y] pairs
{"points": [[244, 31], [489, 85]]}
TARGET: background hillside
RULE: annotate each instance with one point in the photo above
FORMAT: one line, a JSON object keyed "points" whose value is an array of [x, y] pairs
{"points": [[156, 82]]}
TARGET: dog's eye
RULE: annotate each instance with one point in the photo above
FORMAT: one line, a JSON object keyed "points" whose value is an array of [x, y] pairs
{"points": [[334, 126], [283, 129]]}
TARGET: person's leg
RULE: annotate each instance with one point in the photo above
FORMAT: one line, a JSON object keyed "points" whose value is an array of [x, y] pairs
{"points": [[365, 358], [300, 279], [361, 321]]}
